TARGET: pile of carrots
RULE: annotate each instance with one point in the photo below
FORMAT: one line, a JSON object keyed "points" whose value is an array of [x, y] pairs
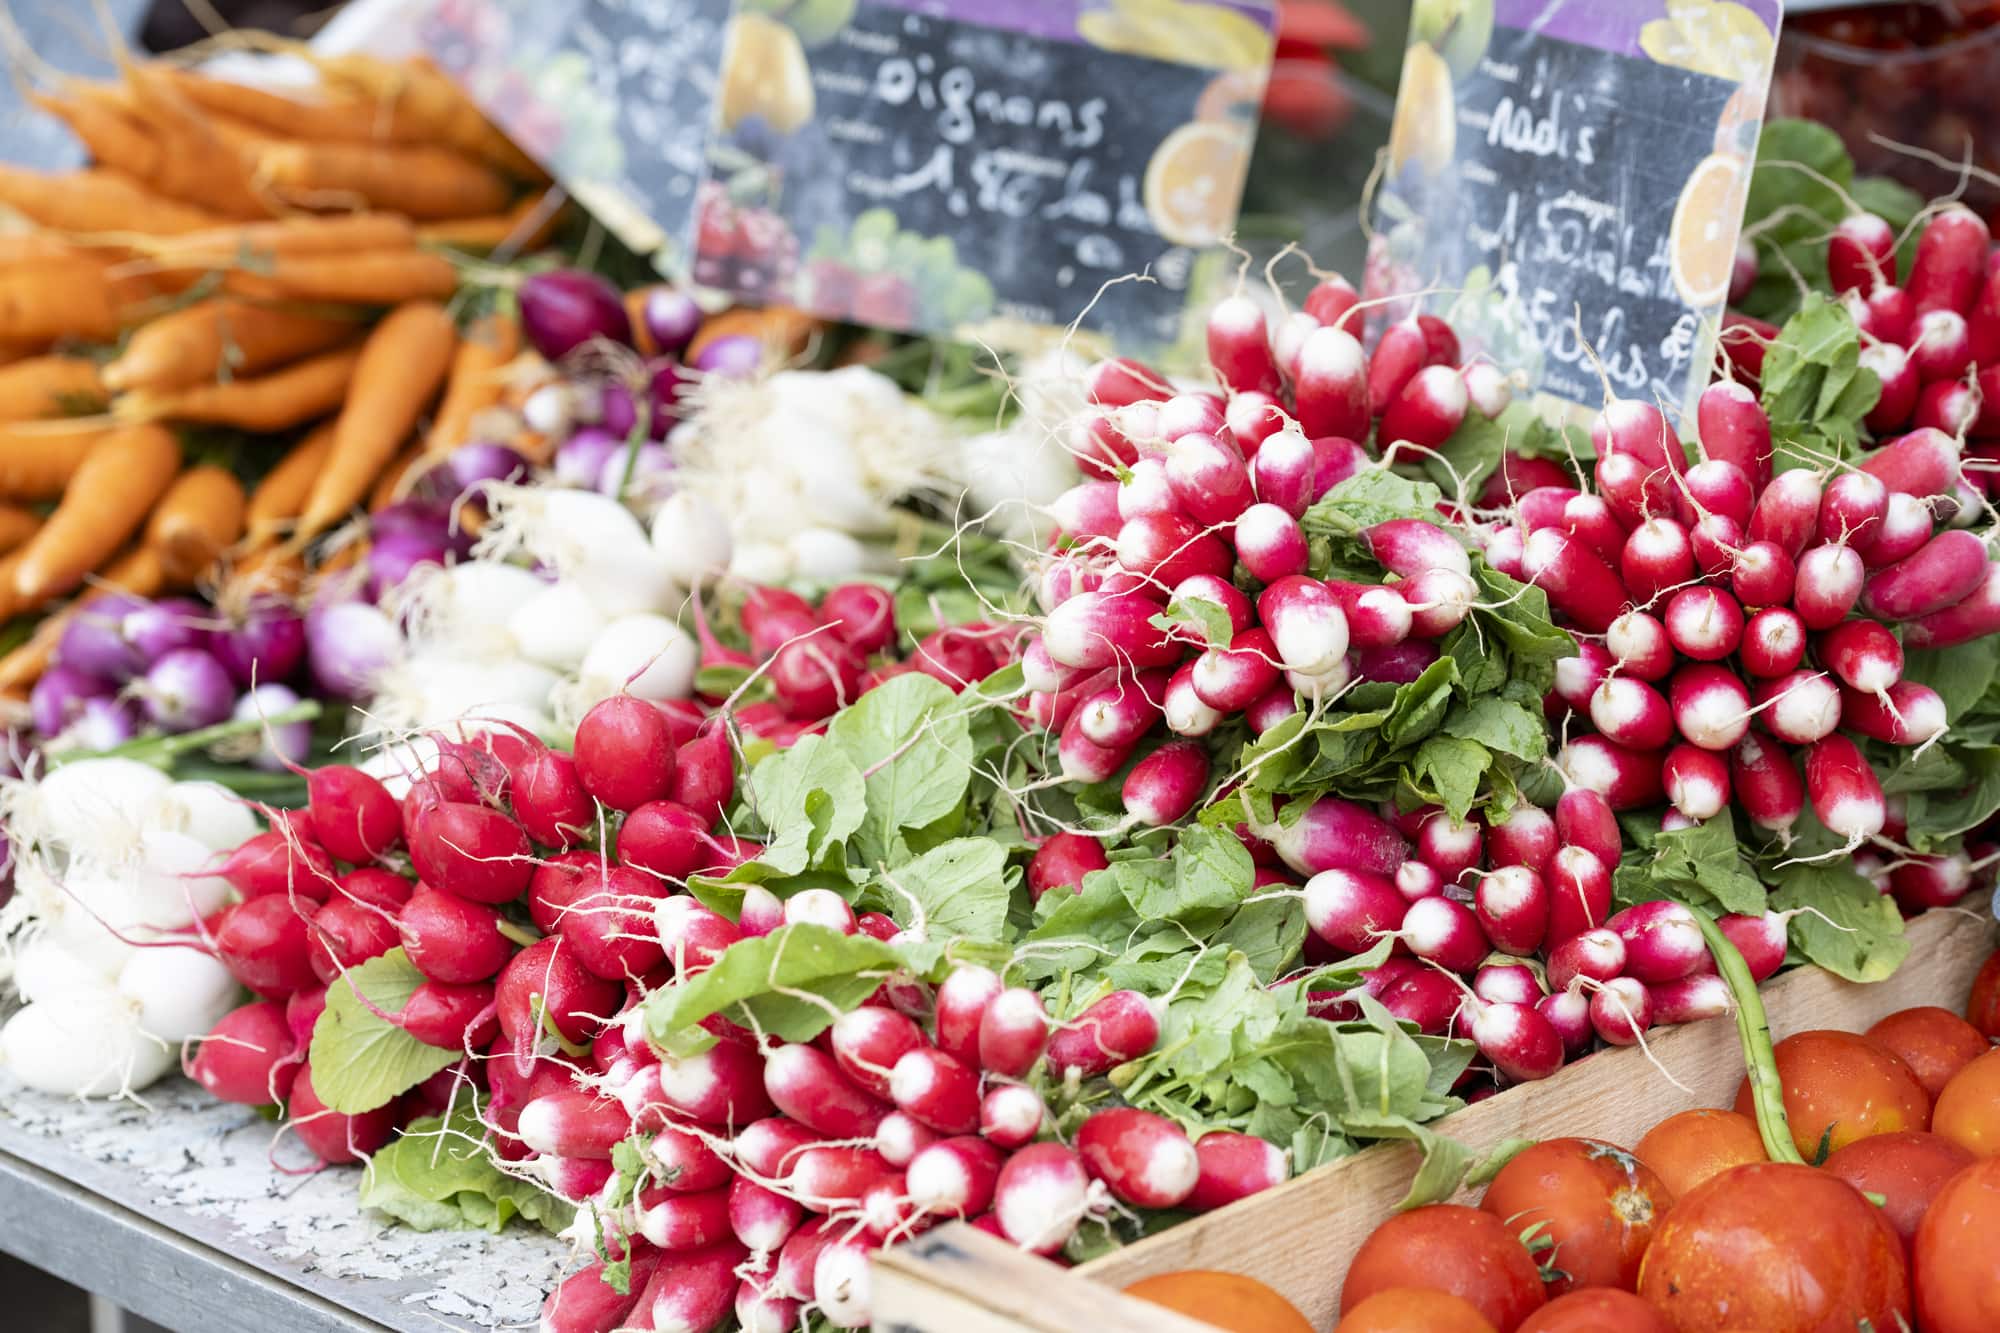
{"points": [[235, 258]]}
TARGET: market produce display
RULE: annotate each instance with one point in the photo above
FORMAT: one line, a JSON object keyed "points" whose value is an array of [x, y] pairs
{"points": [[739, 792]]}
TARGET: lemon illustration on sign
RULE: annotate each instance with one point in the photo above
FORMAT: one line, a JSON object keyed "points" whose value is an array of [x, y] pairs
{"points": [[1425, 130], [1702, 243], [815, 21], [1232, 96], [764, 75], [1459, 30], [1714, 37], [1195, 180], [1187, 32]]}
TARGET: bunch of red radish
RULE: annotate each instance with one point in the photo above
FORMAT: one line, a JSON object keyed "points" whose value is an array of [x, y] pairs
{"points": [[820, 659], [775, 1171], [1193, 486]]}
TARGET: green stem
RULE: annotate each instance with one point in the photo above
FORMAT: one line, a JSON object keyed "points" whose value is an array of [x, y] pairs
{"points": [[161, 751], [1753, 1029], [521, 935]]}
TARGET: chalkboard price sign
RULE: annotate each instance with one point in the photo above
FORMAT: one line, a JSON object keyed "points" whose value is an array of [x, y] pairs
{"points": [[1566, 180], [614, 97], [933, 166]]}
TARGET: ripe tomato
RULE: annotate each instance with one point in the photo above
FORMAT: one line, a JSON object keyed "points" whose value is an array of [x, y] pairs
{"points": [[1595, 1310], [1840, 1087], [1779, 1248], [1687, 1148], [1935, 1043], [1401, 1309], [1226, 1300], [1597, 1202], [1968, 1110], [1906, 1169], [1469, 1253], [1957, 1264], [1983, 1009]]}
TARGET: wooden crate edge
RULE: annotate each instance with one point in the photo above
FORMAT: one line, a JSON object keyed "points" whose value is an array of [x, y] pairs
{"points": [[1299, 1236]]}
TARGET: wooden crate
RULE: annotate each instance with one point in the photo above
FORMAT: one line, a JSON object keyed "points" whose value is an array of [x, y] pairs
{"points": [[1300, 1236]]}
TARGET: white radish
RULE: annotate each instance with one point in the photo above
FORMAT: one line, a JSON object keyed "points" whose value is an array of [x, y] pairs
{"points": [[82, 1047], [177, 993]]}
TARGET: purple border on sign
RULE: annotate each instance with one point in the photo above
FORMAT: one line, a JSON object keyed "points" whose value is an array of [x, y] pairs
{"points": [[1608, 25], [1050, 20]]}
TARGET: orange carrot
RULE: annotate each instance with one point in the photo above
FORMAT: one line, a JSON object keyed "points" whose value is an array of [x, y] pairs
{"points": [[110, 135], [285, 398], [20, 349], [420, 182], [253, 242], [37, 247], [372, 277], [397, 478], [526, 226], [477, 380], [16, 526], [107, 500], [37, 460], [196, 163], [50, 386], [429, 108], [198, 343], [403, 364], [138, 572], [95, 200], [198, 519], [281, 496], [67, 299], [264, 571]]}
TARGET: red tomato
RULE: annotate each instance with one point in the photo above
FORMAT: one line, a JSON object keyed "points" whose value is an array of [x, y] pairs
{"points": [[1463, 1251], [1935, 1043], [1840, 1087], [1779, 1248], [1597, 1202], [1968, 1110], [1906, 1169], [1597, 1310], [1402, 1309], [1983, 1009], [1957, 1264], [1687, 1148]]}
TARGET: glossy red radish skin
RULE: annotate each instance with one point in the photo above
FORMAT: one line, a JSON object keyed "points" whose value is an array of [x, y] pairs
{"points": [[1662, 941], [1579, 886], [1444, 932], [1041, 1196], [1762, 940], [1585, 819], [1488, 390], [1270, 543], [1377, 616], [1923, 463], [1774, 642], [1764, 780], [1568, 1012], [1697, 781], [1426, 413], [1690, 999], [1167, 548], [1632, 713], [1449, 846], [1578, 582], [678, 1222], [1578, 677], [1762, 576], [1657, 558], [1944, 572], [1974, 616], [1507, 983], [1011, 1115], [1940, 345], [1305, 624], [1012, 1033], [1337, 835], [1208, 478], [962, 1001], [1734, 429], [1525, 837], [1094, 630], [1521, 1043], [1239, 346], [1788, 511], [1401, 351], [955, 1177], [1186, 713], [1062, 861], [1597, 954], [1717, 486], [1145, 1159], [1900, 386], [1851, 507], [1332, 392], [1626, 778], [1351, 909], [1703, 623], [1861, 253], [1119, 1027], [1711, 706], [1512, 904], [1252, 418], [1282, 471], [1234, 1166], [1621, 1010], [1950, 262], [865, 1044], [1845, 794], [899, 1138], [1907, 713], [936, 1091]]}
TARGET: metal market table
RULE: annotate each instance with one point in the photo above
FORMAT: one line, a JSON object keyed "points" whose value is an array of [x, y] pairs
{"points": [[179, 1214]]}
